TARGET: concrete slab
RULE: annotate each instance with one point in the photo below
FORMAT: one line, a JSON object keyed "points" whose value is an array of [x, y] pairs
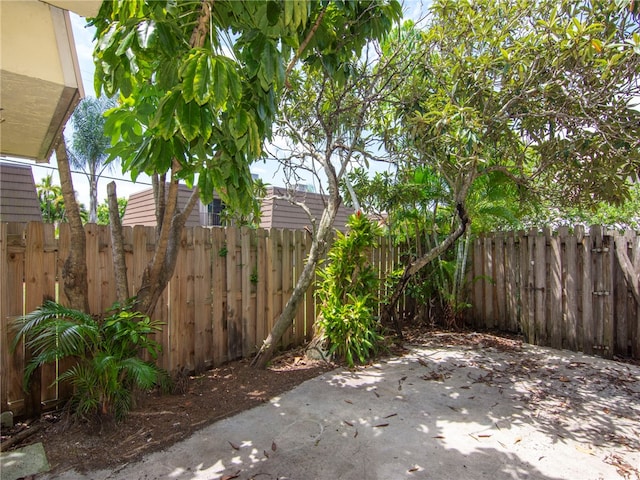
{"points": [[23, 462], [436, 413]]}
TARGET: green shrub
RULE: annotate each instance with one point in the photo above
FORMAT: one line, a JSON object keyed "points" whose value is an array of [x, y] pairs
{"points": [[348, 293], [107, 351]]}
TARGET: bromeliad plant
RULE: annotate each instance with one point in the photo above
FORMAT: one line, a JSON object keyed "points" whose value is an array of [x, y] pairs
{"points": [[107, 350], [348, 293]]}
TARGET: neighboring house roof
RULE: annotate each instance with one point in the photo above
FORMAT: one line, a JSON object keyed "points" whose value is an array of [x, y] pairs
{"points": [[18, 196], [278, 212], [141, 208]]}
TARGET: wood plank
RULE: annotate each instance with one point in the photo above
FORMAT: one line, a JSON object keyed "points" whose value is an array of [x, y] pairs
{"points": [[15, 362], [310, 295], [298, 325], [540, 285], [177, 295], [599, 288], [489, 289], [499, 283], [276, 275], [34, 297], [512, 281], [524, 288], [479, 319], [554, 299], [620, 305], [608, 324], [203, 355], [219, 305], [287, 280], [588, 270], [6, 336], [261, 286], [570, 281], [234, 314], [187, 319], [633, 308], [65, 389], [107, 280], [246, 269], [49, 262]]}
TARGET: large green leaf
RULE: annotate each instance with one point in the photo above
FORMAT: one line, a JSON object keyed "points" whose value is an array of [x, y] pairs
{"points": [[188, 117], [188, 73], [203, 78], [165, 120]]}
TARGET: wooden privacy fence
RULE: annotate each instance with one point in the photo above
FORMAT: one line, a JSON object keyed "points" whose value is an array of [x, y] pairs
{"points": [[564, 289], [229, 286]]}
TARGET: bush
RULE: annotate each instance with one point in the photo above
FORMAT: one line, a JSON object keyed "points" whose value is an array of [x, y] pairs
{"points": [[107, 350], [348, 293]]}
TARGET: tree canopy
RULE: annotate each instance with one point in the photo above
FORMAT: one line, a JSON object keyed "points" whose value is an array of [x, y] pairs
{"points": [[199, 81]]}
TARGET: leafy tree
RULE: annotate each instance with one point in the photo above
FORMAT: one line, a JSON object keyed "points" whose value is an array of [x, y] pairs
{"points": [[537, 91], [88, 146], [199, 85], [103, 211], [323, 131], [51, 201]]}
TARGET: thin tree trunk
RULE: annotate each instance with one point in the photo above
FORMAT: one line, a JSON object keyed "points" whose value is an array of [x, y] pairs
{"points": [[159, 271], [93, 199], [74, 271], [117, 245], [318, 248], [388, 316]]}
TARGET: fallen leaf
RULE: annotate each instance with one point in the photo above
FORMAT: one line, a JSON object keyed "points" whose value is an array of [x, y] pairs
{"points": [[564, 379], [274, 447], [587, 450], [234, 446], [605, 410], [232, 476]]}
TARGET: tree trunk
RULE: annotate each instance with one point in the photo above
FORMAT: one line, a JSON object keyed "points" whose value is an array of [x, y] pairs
{"points": [[318, 248], [93, 198], [117, 245], [74, 271], [388, 315], [157, 274]]}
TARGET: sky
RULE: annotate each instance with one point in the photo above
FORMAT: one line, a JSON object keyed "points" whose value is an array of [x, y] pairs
{"points": [[83, 36]]}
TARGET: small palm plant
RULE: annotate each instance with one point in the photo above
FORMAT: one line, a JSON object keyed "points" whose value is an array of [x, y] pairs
{"points": [[107, 350]]}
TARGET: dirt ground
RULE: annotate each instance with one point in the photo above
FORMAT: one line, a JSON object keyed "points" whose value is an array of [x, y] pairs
{"points": [[161, 420]]}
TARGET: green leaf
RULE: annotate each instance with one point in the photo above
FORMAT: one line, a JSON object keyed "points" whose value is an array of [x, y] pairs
{"points": [[203, 79], [220, 84], [187, 73], [188, 117], [165, 120]]}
